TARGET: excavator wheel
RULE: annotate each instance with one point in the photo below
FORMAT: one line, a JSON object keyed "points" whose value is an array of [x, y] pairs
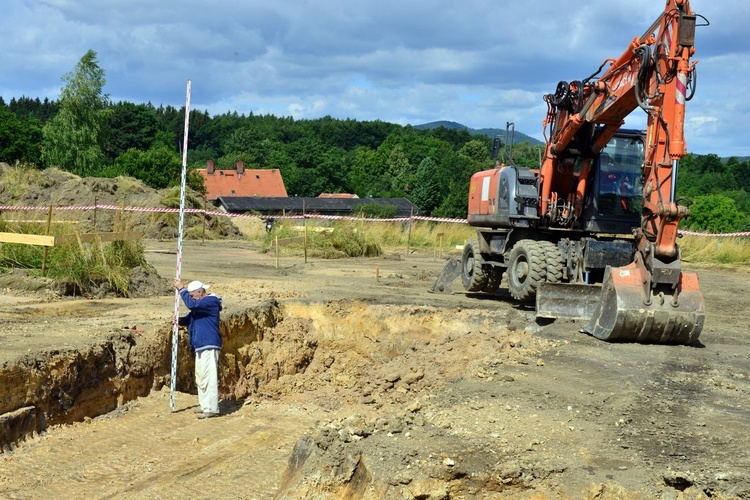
{"points": [[494, 277], [473, 270], [527, 267], [554, 262], [624, 313]]}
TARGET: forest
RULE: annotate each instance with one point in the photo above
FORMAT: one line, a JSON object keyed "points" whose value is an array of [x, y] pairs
{"points": [[87, 134]]}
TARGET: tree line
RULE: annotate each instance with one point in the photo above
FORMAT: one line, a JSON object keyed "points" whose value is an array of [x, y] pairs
{"points": [[85, 133]]}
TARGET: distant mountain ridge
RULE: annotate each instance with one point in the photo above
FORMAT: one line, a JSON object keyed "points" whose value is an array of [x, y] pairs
{"points": [[489, 132]]}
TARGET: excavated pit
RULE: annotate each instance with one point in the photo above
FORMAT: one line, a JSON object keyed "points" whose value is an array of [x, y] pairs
{"points": [[68, 385], [379, 361], [377, 395]]}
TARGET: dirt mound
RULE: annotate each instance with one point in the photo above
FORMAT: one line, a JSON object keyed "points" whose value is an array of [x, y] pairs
{"points": [[54, 187]]}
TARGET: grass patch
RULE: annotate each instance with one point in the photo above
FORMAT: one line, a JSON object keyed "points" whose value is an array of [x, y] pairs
{"points": [[80, 268], [712, 250], [362, 238]]}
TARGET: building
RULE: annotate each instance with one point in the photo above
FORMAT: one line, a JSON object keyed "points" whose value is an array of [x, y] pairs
{"points": [[266, 183], [319, 206], [263, 192]]}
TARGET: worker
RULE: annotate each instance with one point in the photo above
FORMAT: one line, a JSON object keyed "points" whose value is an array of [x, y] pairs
{"points": [[205, 340]]}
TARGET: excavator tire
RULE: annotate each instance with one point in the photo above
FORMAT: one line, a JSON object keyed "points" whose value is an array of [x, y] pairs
{"points": [[554, 262], [622, 314], [527, 267], [494, 277], [473, 270]]}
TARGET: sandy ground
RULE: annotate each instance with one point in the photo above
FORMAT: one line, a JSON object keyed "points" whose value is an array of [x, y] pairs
{"points": [[402, 394]]}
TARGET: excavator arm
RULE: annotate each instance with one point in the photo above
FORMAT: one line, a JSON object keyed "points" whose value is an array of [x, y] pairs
{"points": [[654, 73]]}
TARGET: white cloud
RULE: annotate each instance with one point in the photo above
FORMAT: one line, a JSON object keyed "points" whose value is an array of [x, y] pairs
{"points": [[476, 62]]}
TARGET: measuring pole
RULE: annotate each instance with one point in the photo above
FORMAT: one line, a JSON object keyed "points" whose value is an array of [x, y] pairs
{"points": [[175, 326]]}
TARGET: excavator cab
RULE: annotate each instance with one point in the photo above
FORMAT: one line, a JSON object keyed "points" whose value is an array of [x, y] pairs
{"points": [[615, 203], [620, 183]]}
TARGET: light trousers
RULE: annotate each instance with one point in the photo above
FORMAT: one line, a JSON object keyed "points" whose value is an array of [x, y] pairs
{"points": [[207, 380]]}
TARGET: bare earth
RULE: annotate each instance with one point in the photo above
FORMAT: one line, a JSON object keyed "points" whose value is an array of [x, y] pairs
{"points": [[340, 385]]}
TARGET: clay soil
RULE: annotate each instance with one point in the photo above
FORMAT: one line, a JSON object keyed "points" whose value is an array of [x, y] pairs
{"points": [[347, 379]]}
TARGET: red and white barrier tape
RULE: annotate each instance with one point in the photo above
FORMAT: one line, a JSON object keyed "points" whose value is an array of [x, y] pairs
{"points": [[292, 217]]}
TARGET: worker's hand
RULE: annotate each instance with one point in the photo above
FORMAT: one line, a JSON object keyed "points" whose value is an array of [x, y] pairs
{"points": [[178, 284]]}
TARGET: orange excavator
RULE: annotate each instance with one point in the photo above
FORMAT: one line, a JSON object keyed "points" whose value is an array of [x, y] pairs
{"points": [[592, 232]]}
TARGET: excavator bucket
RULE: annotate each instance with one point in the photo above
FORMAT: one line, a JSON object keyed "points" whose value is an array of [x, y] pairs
{"points": [[623, 314], [566, 300], [448, 275]]}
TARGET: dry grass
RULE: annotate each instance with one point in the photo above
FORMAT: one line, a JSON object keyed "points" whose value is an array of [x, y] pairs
{"points": [[365, 237], [713, 250], [81, 266], [428, 235]]}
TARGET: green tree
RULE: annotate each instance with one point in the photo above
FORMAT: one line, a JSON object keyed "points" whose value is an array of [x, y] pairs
{"points": [[526, 155], [130, 126], [400, 172], [73, 138], [362, 175], [428, 192], [158, 167], [19, 139], [716, 213]]}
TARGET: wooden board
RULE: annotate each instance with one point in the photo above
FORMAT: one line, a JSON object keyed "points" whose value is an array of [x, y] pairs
{"points": [[50, 241], [28, 239], [103, 237], [296, 239]]}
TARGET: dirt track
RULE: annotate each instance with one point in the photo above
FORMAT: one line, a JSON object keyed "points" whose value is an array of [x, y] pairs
{"points": [[354, 387]]}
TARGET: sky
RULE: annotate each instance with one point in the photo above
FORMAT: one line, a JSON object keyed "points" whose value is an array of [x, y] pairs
{"points": [[476, 62]]}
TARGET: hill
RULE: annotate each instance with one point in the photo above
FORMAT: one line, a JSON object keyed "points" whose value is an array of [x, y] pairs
{"points": [[489, 132]]}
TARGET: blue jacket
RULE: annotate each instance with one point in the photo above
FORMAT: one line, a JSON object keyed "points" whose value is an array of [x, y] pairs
{"points": [[202, 321]]}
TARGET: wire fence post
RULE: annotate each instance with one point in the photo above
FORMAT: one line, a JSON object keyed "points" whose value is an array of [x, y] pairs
{"points": [[408, 238], [44, 257], [276, 244], [304, 226], [203, 234], [178, 273]]}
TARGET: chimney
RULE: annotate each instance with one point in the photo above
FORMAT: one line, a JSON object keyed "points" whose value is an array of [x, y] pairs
{"points": [[240, 167], [209, 167]]}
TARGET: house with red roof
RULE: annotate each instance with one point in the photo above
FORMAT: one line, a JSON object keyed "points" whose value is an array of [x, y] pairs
{"points": [[241, 182]]}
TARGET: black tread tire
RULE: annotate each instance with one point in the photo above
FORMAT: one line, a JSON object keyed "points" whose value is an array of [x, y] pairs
{"points": [[473, 275], [554, 260], [527, 267], [494, 277]]}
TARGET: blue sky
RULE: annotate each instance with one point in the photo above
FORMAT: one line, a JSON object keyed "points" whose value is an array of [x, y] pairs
{"points": [[476, 62]]}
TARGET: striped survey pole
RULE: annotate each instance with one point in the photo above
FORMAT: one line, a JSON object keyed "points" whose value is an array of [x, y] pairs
{"points": [[178, 273]]}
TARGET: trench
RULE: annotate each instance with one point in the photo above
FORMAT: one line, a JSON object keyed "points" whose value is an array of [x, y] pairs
{"points": [[385, 359], [265, 347], [68, 385]]}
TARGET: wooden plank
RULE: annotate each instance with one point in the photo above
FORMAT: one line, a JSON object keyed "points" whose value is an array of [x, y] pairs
{"points": [[102, 237], [296, 239], [28, 239], [29, 221]]}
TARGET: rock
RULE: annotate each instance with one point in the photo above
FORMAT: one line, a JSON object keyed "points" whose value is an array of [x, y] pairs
{"points": [[413, 377], [678, 480], [414, 407]]}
